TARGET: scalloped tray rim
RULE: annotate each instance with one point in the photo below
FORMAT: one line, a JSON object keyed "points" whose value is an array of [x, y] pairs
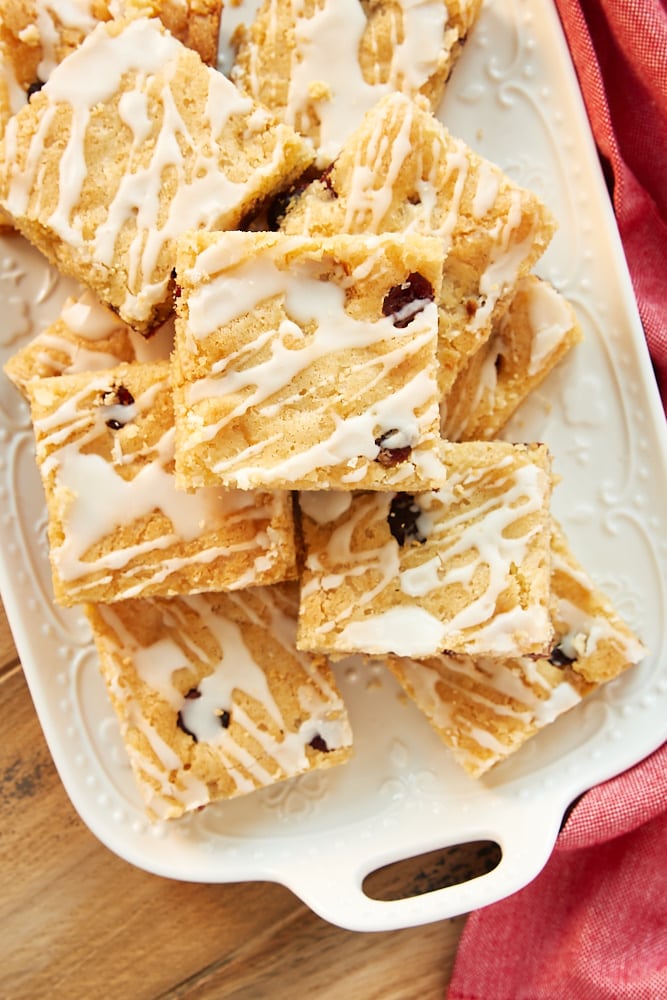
{"points": [[371, 915]]}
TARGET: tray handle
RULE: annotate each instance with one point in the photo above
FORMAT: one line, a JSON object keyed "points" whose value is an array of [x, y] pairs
{"points": [[335, 890]]}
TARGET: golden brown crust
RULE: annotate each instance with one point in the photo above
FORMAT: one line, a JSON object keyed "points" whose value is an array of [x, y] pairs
{"points": [[133, 182], [118, 527], [401, 170], [464, 568], [334, 393], [232, 706]]}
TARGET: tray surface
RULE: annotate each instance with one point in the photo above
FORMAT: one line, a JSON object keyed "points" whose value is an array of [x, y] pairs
{"points": [[513, 98]]}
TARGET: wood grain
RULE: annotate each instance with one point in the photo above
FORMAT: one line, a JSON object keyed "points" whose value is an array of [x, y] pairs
{"points": [[79, 922], [8, 657]]}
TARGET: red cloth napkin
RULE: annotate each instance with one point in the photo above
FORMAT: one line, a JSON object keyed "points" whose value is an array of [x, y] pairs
{"points": [[593, 924], [619, 49]]}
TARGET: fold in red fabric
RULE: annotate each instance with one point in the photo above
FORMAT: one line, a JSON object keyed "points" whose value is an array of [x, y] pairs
{"points": [[593, 924], [619, 50]]}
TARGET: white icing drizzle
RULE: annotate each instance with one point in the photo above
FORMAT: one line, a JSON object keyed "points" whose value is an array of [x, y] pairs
{"points": [[506, 261], [229, 674], [527, 339], [498, 703], [14, 93], [88, 318], [240, 671], [486, 384], [160, 777], [439, 176], [550, 319], [90, 337], [99, 500], [323, 506], [71, 356], [487, 191], [420, 48], [390, 154], [371, 183], [514, 688], [339, 561], [487, 694], [185, 787], [412, 630], [463, 540], [139, 64], [448, 525], [587, 631], [53, 18], [257, 375]]}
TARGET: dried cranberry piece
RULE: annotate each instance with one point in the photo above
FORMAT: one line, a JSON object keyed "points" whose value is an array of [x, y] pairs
{"points": [[559, 658], [124, 396], [403, 514], [225, 718], [193, 694], [147, 334], [181, 725], [117, 395], [277, 210], [388, 456], [325, 180], [280, 203], [403, 302], [318, 743], [34, 88]]}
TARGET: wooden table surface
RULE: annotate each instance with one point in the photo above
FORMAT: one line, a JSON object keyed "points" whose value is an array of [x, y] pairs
{"points": [[79, 922]]}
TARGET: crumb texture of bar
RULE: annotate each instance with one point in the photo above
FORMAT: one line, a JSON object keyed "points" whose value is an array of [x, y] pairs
{"points": [[132, 141], [213, 699], [118, 527], [306, 363], [36, 35], [534, 333], [284, 59], [86, 337], [486, 708], [403, 171], [461, 569], [267, 421]]}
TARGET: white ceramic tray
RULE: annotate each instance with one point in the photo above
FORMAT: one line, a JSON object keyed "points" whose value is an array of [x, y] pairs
{"points": [[515, 99]]}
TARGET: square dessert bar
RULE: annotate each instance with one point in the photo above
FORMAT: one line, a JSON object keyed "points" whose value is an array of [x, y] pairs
{"points": [[36, 35], [402, 171], [485, 708], [86, 336], [213, 699], [463, 569], [284, 59], [307, 363], [132, 141], [536, 330], [117, 525]]}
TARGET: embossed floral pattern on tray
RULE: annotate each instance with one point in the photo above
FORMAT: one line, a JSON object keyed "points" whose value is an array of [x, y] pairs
{"points": [[514, 98]]}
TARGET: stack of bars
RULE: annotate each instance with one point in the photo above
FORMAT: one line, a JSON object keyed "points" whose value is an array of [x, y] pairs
{"points": [[268, 427]]}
